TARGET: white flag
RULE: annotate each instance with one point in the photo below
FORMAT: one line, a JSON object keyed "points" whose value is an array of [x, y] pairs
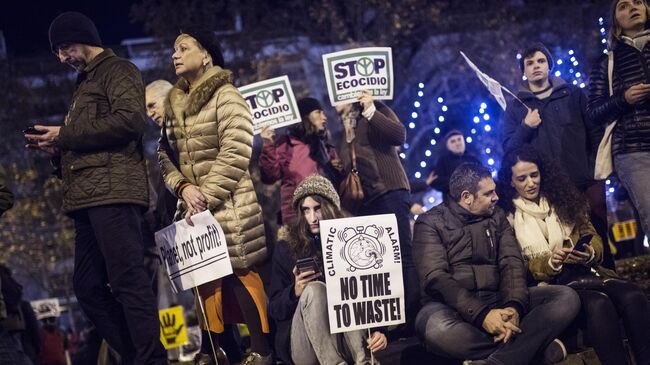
{"points": [[492, 85]]}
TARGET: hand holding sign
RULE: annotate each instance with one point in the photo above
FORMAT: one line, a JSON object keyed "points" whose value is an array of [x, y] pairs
{"points": [[533, 120], [194, 198], [194, 255], [377, 341], [268, 135], [365, 99]]}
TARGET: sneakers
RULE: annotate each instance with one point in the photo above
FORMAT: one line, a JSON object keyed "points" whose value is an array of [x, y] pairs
{"points": [[256, 359], [554, 352], [474, 362]]}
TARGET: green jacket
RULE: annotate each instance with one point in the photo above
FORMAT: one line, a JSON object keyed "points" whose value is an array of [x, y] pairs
{"points": [[6, 197], [101, 141]]}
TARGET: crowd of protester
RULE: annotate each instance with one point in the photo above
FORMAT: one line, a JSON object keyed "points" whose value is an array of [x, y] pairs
{"points": [[504, 271]]}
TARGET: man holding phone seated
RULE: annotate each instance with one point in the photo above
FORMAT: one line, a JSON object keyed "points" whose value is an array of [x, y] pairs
{"points": [[298, 299]]}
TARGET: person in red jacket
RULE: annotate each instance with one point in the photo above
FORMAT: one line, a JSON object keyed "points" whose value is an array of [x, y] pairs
{"points": [[302, 152]]}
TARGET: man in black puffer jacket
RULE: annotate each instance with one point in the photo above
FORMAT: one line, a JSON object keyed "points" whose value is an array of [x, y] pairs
{"points": [[473, 280]]}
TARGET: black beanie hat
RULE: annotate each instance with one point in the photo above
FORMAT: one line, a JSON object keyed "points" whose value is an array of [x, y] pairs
{"points": [[208, 40], [308, 105], [73, 27], [451, 133]]}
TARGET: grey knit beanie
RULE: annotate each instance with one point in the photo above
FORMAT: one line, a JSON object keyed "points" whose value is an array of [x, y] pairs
{"points": [[316, 185]]}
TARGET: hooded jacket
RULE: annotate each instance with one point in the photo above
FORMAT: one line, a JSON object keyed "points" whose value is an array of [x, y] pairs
{"points": [[207, 141], [566, 134], [463, 258]]}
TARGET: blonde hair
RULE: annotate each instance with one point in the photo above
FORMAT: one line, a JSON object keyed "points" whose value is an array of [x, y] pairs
{"points": [[615, 30]]}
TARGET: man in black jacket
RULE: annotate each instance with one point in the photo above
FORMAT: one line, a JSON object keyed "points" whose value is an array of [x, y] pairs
{"points": [[99, 150], [473, 278], [557, 124]]}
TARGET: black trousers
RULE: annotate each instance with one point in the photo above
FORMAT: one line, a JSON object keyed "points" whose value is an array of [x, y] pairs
{"points": [[111, 283], [600, 315]]}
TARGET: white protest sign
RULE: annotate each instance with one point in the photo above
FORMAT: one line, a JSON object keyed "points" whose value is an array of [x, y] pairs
{"points": [[349, 72], [194, 255], [363, 267], [45, 308], [272, 103]]}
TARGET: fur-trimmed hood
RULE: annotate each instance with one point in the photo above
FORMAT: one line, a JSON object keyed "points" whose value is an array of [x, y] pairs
{"points": [[181, 104]]}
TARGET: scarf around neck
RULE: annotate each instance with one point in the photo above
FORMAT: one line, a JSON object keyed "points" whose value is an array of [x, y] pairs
{"points": [[538, 228], [639, 41]]}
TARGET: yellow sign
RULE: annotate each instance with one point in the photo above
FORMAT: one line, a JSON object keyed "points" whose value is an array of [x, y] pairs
{"points": [[173, 332], [625, 230]]}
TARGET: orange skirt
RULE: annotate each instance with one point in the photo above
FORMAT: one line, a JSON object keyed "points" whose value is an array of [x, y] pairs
{"points": [[220, 308]]}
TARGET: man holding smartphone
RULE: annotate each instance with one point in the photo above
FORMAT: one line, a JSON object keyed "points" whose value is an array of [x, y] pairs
{"points": [[99, 152]]}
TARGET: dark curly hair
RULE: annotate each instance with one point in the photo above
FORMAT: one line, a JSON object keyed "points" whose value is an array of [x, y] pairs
{"points": [[568, 202]]}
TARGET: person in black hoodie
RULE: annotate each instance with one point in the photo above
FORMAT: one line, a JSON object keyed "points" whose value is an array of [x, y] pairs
{"points": [[298, 299], [453, 156]]}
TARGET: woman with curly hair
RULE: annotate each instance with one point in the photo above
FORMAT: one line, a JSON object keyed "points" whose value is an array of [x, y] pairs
{"points": [[298, 300], [549, 216]]}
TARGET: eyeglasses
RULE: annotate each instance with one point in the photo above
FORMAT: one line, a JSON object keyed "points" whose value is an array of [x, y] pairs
{"points": [[64, 48]]}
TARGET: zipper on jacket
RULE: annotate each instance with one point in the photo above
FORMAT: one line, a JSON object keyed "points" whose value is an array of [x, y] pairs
{"points": [[489, 237]]}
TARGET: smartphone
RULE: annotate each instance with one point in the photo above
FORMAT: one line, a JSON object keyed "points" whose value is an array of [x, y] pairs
{"points": [[32, 130], [307, 264], [582, 241]]}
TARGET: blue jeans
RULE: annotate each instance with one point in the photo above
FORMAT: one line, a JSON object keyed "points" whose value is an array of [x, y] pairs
{"points": [[633, 169], [444, 332], [311, 340]]}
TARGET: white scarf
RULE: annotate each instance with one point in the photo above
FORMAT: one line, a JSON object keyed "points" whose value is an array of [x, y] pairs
{"points": [[639, 41], [538, 228]]}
